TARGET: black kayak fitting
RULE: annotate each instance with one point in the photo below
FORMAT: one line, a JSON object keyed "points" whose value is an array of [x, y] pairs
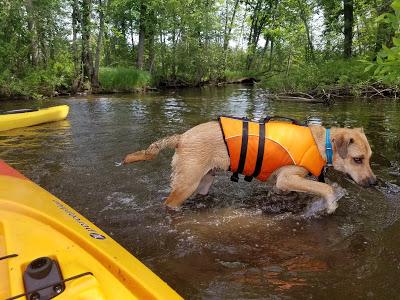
{"points": [[18, 111]]}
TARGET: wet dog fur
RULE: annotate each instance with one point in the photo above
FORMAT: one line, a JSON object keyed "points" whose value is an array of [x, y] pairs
{"points": [[201, 150]]}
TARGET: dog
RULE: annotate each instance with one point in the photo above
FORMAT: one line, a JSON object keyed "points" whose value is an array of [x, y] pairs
{"points": [[203, 149]]}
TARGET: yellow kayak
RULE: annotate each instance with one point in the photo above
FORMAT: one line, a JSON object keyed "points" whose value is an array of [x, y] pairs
{"points": [[25, 117], [48, 250]]}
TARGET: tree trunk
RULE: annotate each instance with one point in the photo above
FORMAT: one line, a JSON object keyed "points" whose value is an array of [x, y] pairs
{"points": [[99, 42], [304, 18], [33, 31], [87, 61], [75, 21], [267, 38], [152, 55], [271, 52], [142, 33], [348, 27], [228, 28], [132, 37]]}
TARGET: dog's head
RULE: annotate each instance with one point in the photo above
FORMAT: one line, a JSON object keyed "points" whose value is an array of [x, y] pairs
{"points": [[352, 155]]}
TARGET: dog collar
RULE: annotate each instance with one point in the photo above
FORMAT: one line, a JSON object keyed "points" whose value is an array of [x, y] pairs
{"points": [[328, 147]]}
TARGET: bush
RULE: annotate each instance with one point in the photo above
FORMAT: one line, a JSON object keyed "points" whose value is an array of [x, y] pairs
{"points": [[387, 66], [39, 82], [314, 77], [123, 79]]}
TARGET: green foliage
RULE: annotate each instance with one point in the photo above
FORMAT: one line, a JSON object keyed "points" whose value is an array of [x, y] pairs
{"points": [[315, 77], [123, 79], [48, 46], [387, 66]]}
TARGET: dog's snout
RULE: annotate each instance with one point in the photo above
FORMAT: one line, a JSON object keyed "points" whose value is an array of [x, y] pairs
{"points": [[372, 180], [369, 181]]}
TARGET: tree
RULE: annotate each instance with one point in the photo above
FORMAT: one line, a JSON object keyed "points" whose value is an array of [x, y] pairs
{"points": [[348, 27]]}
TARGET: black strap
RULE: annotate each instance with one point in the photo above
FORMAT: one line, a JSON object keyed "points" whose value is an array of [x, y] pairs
{"points": [[18, 111], [260, 151], [235, 177], [8, 256], [321, 177], [294, 121], [243, 151]]}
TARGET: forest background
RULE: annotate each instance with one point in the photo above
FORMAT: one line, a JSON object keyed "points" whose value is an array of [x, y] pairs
{"points": [[320, 47]]}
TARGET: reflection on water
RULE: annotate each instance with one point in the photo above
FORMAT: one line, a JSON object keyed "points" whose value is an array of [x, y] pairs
{"points": [[241, 241]]}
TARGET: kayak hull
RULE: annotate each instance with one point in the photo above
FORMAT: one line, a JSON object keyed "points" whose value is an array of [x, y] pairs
{"points": [[34, 223], [25, 119]]}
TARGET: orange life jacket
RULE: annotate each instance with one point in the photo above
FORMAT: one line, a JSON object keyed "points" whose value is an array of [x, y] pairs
{"points": [[258, 149]]}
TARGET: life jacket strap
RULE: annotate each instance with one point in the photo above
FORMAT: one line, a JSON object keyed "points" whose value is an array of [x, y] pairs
{"points": [[292, 120], [321, 177], [243, 151], [248, 178], [260, 151], [235, 177]]}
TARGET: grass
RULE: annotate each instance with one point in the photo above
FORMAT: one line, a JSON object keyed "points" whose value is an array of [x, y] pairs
{"points": [[123, 79]]}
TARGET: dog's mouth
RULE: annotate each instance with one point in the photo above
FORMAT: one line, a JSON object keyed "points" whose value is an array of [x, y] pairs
{"points": [[350, 178], [364, 183]]}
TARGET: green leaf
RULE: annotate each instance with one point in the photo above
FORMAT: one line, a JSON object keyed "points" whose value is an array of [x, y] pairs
{"points": [[396, 42], [382, 18], [396, 5], [368, 68]]}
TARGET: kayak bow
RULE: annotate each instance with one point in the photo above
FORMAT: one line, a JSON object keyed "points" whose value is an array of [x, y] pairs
{"points": [[48, 249], [28, 117]]}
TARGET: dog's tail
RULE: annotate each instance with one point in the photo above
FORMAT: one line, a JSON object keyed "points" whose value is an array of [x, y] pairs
{"points": [[152, 151]]}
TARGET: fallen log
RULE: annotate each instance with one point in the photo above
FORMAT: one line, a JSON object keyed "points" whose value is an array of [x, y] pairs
{"points": [[295, 99]]}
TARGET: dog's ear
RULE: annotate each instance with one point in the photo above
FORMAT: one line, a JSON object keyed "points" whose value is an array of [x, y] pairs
{"points": [[360, 129], [342, 144]]}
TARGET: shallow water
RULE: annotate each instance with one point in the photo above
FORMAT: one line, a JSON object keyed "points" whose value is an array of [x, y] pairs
{"points": [[241, 241]]}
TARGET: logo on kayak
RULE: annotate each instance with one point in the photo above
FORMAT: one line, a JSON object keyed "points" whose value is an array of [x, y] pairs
{"points": [[93, 233], [97, 236]]}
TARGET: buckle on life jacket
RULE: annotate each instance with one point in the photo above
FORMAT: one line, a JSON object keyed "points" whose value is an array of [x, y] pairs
{"points": [[248, 178], [235, 177]]}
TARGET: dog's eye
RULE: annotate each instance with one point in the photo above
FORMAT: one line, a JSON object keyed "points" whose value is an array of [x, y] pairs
{"points": [[358, 160]]}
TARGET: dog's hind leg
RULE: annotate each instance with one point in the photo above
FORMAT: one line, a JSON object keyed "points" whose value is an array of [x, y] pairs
{"points": [[186, 178], [180, 194], [206, 183], [182, 188]]}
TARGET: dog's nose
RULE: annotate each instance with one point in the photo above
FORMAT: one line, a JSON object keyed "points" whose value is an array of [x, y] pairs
{"points": [[369, 181], [372, 180]]}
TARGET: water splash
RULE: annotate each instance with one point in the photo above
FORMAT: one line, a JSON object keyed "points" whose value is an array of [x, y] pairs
{"points": [[318, 207]]}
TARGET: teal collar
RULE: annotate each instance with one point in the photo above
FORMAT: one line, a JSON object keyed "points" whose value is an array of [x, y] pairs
{"points": [[328, 147]]}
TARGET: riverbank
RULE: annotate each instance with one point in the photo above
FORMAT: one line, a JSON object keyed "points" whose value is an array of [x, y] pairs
{"points": [[324, 81], [41, 84], [330, 80]]}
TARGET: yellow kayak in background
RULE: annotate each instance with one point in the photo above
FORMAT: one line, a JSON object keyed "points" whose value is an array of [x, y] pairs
{"points": [[48, 250], [26, 117]]}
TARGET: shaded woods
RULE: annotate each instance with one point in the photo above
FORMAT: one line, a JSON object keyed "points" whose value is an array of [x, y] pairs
{"points": [[321, 47]]}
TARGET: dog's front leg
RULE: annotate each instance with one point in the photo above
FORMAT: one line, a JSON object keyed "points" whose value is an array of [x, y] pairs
{"points": [[291, 178]]}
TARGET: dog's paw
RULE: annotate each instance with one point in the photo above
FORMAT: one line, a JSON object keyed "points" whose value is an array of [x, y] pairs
{"points": [[331, 206], [332, 200], [315, 209], [325, 205]]}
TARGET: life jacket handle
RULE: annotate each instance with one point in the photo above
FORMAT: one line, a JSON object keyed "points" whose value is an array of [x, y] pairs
{"points": [[294, 121]]}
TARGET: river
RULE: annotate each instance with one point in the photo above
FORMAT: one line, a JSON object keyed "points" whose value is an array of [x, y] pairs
{"points": [[240, 241]]}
